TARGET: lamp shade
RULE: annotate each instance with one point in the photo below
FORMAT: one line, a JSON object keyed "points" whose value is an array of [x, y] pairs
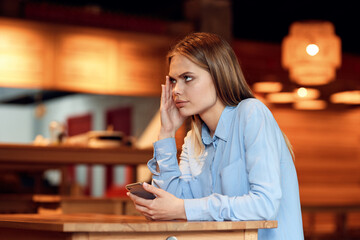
{"points": [[311, 52]]}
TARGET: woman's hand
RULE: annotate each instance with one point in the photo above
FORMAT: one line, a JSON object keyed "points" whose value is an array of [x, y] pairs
{"points": [[171, 119], [164, 207]]}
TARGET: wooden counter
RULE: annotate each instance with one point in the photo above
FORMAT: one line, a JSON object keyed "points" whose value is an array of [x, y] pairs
{"points": [[96, 226], [25, 154]]}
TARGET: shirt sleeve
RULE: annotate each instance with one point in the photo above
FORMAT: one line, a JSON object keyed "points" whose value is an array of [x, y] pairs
{"points": [[170, 177], [260, 135]]}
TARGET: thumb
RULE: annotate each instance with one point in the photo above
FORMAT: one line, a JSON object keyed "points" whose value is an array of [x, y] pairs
{"points": [[153, 189]]}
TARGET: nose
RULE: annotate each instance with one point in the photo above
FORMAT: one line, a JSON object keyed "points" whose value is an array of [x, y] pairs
{"points": [[177, 88]]}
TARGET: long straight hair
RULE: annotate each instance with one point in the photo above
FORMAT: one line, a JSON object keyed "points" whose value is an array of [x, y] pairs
{"points": [[212, 53]]}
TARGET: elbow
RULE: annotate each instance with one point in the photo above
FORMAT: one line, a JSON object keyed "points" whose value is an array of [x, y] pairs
{"points": [[272, 208], [271, 211], [269, 205]]}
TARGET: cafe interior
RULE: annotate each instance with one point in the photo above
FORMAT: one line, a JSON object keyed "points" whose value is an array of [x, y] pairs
{"points": [[80, 97]]}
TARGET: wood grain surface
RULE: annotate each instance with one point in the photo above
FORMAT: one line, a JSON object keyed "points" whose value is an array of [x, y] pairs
{"points": [[25, 154], [118, 223]]}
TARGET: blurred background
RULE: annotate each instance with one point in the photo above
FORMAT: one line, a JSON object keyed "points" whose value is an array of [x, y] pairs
{"points": [[75, 71]]}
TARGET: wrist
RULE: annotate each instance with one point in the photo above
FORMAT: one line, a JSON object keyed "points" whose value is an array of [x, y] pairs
{"points": [[182, 213], [160, 137], [165, 134]]}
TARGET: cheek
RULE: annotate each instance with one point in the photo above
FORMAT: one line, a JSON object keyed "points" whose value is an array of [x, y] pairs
{"points": [[209, 93], [205, 97]]}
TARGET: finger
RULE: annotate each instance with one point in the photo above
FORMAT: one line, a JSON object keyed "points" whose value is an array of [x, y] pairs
{"points": [[143, 210], [140, 201], [153, 189], [167, 86], [162, 94], [170, 91]]}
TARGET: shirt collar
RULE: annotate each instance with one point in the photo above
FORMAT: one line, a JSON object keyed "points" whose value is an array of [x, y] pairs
{"points": [[205, 135], [222, 128]]}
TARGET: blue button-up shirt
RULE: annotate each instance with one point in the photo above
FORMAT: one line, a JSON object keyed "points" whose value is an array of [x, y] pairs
{"points": [[246, 172]]}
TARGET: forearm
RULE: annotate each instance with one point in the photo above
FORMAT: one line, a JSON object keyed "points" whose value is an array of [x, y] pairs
{"points": [[165, 169], [218, 207]]}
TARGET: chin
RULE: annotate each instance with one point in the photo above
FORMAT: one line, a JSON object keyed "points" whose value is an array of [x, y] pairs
{"points": [[186, 113]]}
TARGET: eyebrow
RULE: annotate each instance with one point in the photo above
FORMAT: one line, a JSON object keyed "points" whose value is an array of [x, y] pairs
{"points": [[181, 75]]}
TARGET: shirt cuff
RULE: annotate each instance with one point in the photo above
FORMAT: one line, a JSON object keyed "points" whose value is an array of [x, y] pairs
{"points": [[162, 147], [166, 145], [197, 209]]}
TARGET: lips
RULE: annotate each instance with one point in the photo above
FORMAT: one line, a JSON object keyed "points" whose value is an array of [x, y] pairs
{"points": [[180, 103]]}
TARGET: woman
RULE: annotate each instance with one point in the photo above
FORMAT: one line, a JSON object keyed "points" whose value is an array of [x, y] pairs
{"points": [[235, 163]]}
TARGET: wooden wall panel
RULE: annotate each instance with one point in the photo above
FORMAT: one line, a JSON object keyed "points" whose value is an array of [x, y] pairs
{"points": [[85, 60], [81, 59], [141, 65], [326, 144], [26, 54]]}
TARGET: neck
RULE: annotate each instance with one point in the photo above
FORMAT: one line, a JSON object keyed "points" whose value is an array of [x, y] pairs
{"points": [[211, 116]]}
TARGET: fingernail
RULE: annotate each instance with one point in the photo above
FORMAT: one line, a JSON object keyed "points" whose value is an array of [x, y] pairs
{"points": [[145, 184]]}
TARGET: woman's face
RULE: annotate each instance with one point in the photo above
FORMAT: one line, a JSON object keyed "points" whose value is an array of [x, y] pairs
{"points": [[192, 87]]}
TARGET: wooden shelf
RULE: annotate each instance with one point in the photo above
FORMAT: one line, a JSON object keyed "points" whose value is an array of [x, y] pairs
{"points": [[17, 154]]}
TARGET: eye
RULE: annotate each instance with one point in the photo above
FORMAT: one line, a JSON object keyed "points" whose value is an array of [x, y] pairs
{"points": [[188, 78], [172, 80]]}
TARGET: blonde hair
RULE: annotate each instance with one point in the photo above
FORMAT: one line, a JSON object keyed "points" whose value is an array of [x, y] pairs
{"points": [[212, 53]]}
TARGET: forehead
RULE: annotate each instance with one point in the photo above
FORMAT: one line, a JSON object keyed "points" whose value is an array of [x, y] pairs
{"points": [[180, 64]]}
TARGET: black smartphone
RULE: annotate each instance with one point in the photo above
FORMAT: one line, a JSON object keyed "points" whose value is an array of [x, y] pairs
{"points": [[138, 190]]}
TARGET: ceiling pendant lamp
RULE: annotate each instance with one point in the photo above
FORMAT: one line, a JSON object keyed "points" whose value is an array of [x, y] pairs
{"points": [[311, 52]]}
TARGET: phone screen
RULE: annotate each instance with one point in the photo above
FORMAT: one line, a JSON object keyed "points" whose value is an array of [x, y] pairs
{"points": [[138, 190]]}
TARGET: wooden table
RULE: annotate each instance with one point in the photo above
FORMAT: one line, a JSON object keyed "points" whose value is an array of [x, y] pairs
{"points": [[96, 227]]}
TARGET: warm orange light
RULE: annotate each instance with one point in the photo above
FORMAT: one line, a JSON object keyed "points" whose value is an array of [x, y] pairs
{"points": [[302, 92], [281, 97], [312, 49], [346, 97], [311, 52], [310, 105], [306, 93], [267, 87]]}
